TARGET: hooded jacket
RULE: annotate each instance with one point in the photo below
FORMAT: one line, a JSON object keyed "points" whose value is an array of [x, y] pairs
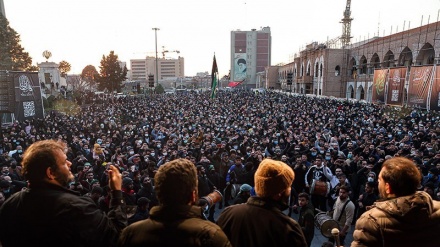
{"points": [[175, 225], [403, 221]]}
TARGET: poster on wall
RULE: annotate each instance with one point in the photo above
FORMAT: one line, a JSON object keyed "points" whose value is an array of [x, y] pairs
{"points": [[379, 83], [434, 103], [28, 96], [240, 67], [7, 94], [419, 82], [396, 82]]}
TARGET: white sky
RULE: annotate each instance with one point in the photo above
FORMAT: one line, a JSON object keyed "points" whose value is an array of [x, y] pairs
{"points": [[82, 31]]}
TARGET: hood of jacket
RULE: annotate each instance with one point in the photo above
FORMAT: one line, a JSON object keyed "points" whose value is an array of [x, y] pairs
{"points": [[414, 209]]}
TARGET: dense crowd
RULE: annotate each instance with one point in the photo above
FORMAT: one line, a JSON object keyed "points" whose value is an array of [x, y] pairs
{"points": [[229, 136]]}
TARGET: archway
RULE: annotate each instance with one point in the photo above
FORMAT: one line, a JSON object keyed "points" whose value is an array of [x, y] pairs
{"points": [[350, 92], [363, 65], [406, 57], [352, 67], [375, 63], [388, 60], [360, 93], [426, 55]]}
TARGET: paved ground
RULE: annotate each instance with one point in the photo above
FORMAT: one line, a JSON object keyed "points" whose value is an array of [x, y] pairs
{"points": [[317, 240]]}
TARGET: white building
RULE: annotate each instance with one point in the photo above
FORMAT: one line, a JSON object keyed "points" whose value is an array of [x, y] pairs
{"points": [[141, 68]]}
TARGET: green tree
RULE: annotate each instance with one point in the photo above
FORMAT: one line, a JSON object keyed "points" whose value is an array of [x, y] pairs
{"points": [[89, 74], [159, 89], [12, 55], [64, 68], [111, 75]]}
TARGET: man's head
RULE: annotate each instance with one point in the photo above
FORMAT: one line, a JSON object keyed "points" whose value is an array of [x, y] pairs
{"points": [[433, 173], [176, 183], [344, 192], [5, 169], [303, 199], [127, 183], [96, 192], [201, 170], [341, 178], [399, 177], [273, 179], [90, 175], [369, 187], [46, 161], [338, 171], [143, 203], [245, 189], [146, 181]]}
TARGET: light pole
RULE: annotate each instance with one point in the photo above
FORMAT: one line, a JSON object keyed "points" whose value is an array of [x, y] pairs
{"points": [[157, 69]]}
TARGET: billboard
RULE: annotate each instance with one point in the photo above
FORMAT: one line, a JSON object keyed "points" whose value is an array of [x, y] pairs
{"points": [[239, 67], [434, 103], [28, 101], [396, 83], [419, 82], [379, 83], [7, 94]]}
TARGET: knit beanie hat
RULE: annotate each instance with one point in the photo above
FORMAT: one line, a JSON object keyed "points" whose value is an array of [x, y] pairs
{"points": [[126, 182], [272, 177], [97, 149], [245, 188]]}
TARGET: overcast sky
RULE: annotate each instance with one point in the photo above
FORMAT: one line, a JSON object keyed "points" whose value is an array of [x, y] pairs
{"points": [[82, 31]]}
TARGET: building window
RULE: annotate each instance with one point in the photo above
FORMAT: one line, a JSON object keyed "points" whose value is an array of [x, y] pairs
{"points": [[337, 71]]}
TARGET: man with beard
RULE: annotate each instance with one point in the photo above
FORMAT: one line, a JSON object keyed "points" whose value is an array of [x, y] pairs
{"points": [[52, 215], [306, 218], [147, 191], [246, 224], [403, 216], [205, 186], [177, 221], [343, 213]]}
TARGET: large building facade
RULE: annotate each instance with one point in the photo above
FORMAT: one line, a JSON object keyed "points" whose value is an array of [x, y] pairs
{"points": [[141, 68], [250, 54], [332, 69]]}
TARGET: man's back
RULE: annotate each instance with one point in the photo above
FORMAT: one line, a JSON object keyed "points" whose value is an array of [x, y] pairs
{"points": [[260, 223], [404, 221], [51, 216], [174, 226]]}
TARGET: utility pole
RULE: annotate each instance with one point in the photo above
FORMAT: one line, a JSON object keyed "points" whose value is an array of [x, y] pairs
{"points": [[157, 68]]}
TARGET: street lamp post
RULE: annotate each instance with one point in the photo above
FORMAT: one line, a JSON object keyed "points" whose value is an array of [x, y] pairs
{"points": [[157, 69]]}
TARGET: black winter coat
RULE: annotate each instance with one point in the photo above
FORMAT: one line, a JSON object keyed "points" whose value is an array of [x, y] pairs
{"points": [[260, 222], [50, 215]]}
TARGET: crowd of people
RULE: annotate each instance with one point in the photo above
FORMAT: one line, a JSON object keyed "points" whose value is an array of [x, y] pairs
{"points": [[336, 148]]}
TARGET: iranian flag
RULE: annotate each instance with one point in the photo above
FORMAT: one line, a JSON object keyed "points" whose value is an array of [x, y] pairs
{"points": [[234, 83]]}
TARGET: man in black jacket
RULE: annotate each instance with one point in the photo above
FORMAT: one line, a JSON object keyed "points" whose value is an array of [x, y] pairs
{"points": [[48, 214], [261, 221]]}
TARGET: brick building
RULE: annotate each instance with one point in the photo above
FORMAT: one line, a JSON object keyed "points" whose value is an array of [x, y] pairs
{"points": [[331, 69]]}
